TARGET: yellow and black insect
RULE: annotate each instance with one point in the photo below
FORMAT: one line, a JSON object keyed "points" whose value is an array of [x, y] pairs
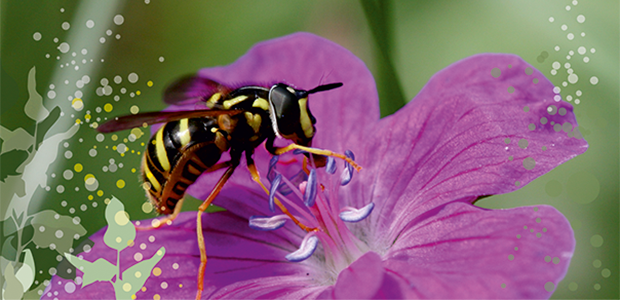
{"points": [[236, 120]]}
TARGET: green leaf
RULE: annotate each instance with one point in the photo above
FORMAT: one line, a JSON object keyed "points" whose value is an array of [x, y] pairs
{"points": [[8, 250], [14, 289], [19, 139], [100, 270], [120, 232], [34, 108], [55, 231], [25, 274], [135, 276], [34, 293], [10, 162]]}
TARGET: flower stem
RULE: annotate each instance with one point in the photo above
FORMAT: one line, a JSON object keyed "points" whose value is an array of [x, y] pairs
{"points": [[391, 95]]}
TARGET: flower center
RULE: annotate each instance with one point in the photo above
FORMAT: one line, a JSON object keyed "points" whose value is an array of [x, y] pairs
{"points": [[320, 215]]}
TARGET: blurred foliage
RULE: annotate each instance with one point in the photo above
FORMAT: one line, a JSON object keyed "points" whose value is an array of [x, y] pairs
{"points": [[419, 39]]}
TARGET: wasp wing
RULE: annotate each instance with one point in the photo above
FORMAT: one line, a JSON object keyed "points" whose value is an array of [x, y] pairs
{"points": [[145, 119], [192, 89]]}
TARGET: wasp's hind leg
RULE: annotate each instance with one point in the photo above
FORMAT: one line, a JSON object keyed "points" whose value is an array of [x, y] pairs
{"points": [[205, 204]]}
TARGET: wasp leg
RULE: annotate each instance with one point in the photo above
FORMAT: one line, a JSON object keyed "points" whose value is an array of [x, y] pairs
{"points": [[282, 150], [256, 177], [201, 241]]}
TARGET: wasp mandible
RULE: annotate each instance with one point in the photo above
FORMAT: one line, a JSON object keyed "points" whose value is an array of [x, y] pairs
{"points": [[227, 119]]}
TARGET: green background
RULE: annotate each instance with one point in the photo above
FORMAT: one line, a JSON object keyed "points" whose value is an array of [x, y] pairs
{"points": [[421, 37]]}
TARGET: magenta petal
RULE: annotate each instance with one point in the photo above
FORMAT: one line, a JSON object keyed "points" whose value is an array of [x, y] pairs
{"points": [[235, 253], [466, 134], [468, 252], [361, 280]]}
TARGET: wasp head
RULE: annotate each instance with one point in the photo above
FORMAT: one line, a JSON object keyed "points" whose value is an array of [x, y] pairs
{"points": [[290, 114]]}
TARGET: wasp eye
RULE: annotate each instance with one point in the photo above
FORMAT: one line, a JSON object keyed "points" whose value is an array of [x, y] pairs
{"points": [[286, 108]]}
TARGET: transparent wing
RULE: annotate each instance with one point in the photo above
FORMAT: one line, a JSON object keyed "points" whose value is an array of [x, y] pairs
{"points": [[149, 118]]}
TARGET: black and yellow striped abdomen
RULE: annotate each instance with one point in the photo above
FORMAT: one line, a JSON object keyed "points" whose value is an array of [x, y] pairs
{"points": [[176, 155]]}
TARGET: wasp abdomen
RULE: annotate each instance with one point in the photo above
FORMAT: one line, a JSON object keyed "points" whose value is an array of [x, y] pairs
{"points": [[176, 155]]}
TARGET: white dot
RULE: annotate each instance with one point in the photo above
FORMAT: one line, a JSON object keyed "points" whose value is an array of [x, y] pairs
{"points": [[70, 287], [556, 65], [564, 83], [161, 59], [581, 50], [164, 285], [119, 19], [578, 93], [564, 27], [59, 233], [557, 48], [36, 36], [567, 65], [175, 266], [592, 50], [102, 40], [557, 98], [570, 36], [593, 80], [118, 36], [556, 89], [571, 53], [567, 7], [572, 78], [137, 256], [569, 71], [575, 2], [108, 32], [65, 25], [64, 47], [132, 77], [83, 207], [577, 101], [90, 24], [553, 72], [551, 19], [581, 18], [569, 98], [51, 94]]}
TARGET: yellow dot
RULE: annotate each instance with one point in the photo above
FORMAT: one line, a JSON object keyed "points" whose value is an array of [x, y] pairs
{"points": [[90, 177], [149, 83], [95, 147], [119, 239], [144, 289], [138, 153], [77, 104], [133, 151], [180, 285], [113, 147], [134, 109], [90, 197], [106, 201], [121, 218], [156, 297], [157, 271], [147, 207], [142, 144], [125, 140], [77, 121], [120, 183], [99, 193], [107, 107], [138, 93], [138, 274], [87, 116], [145, 125], [122, 154], [78, 167], [114, 137], [133, 170], [130, 243], [133, 296], [94, 125], [126, 287]]}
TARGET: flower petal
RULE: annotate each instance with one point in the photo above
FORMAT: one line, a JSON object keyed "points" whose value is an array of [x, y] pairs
{"points": [[467, 134], [235, 253], [468, 252], [361, 280]]}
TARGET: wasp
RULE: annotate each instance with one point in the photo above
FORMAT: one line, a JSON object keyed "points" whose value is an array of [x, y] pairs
{"points": [[234, 120]]}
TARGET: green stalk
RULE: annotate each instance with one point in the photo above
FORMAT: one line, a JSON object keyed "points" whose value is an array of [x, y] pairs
{"points": [[391, 95]]}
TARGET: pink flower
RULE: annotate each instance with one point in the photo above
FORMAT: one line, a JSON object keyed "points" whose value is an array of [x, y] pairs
{"points": [[486, 125]]}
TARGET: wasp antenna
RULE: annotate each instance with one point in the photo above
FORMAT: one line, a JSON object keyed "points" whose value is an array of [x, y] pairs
{"points": [[325, 87]]}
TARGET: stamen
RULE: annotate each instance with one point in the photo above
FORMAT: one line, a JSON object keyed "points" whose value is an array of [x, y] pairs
{"points": [[308, 245], [272, 165], [310, 192], [268, 223], [347, 173], [331, 165], [272, 192], [351, 214]]}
